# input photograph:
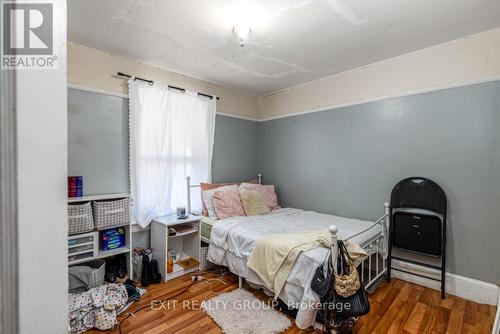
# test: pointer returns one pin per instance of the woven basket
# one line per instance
(97, 276)
(204, 263)
(96, 271)
(108, 214)
(80, 218)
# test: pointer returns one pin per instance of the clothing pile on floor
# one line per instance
(99, 306)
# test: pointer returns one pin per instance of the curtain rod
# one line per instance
(121, 74)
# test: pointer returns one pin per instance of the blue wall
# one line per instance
(236, 149)
(98, 141)
(345, 161)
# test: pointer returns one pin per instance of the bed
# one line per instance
(231, 241)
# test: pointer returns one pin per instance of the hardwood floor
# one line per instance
(398, 307)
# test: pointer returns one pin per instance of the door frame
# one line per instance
(9, 255)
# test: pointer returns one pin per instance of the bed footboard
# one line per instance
(374, 268)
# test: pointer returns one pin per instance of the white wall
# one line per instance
(463, 61)
(42, 175)
(97, 69)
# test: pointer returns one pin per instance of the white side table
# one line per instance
(186, 242)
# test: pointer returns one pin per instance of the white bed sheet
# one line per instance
(233, 239)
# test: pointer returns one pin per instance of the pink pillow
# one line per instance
(227, 203)
(267, 192)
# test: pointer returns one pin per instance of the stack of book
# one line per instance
(75, 186)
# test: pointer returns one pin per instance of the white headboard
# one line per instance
(190, 186)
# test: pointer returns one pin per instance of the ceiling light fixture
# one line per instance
(242, 30)
(242, 17)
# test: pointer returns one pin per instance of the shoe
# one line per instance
(146, 271)
(110, 271)
(121, 268)
(155, 273)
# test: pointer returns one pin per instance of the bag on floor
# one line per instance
(353, 306)
(137, 264)
(336, 324)
(349, 295)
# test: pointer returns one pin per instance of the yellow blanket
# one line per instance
(274, 256)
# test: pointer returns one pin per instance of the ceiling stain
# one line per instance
(341, 8)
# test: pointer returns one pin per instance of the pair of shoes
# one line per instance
(150, 273)
(116, 268)
(110, 271)
(122, 266)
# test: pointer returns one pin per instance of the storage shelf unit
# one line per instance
(97, 253)
(187, 242)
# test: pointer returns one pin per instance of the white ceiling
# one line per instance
(291, 42)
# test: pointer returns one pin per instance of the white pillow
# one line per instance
(207, 198)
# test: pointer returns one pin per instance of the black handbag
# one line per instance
(321, 283)
(355, 305)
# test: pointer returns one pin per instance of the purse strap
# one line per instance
(343, 258)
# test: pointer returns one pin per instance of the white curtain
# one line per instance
(171, 137)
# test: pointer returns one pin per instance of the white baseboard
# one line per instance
(456, 285)
(496, 326)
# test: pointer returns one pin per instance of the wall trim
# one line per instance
(240, 117)
(496, 325)
(96, 90)
(108, 92)
(332, 107)
(386, 97)
(456, 285)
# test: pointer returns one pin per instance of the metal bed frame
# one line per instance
(372, 269)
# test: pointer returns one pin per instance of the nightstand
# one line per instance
(186, 242)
